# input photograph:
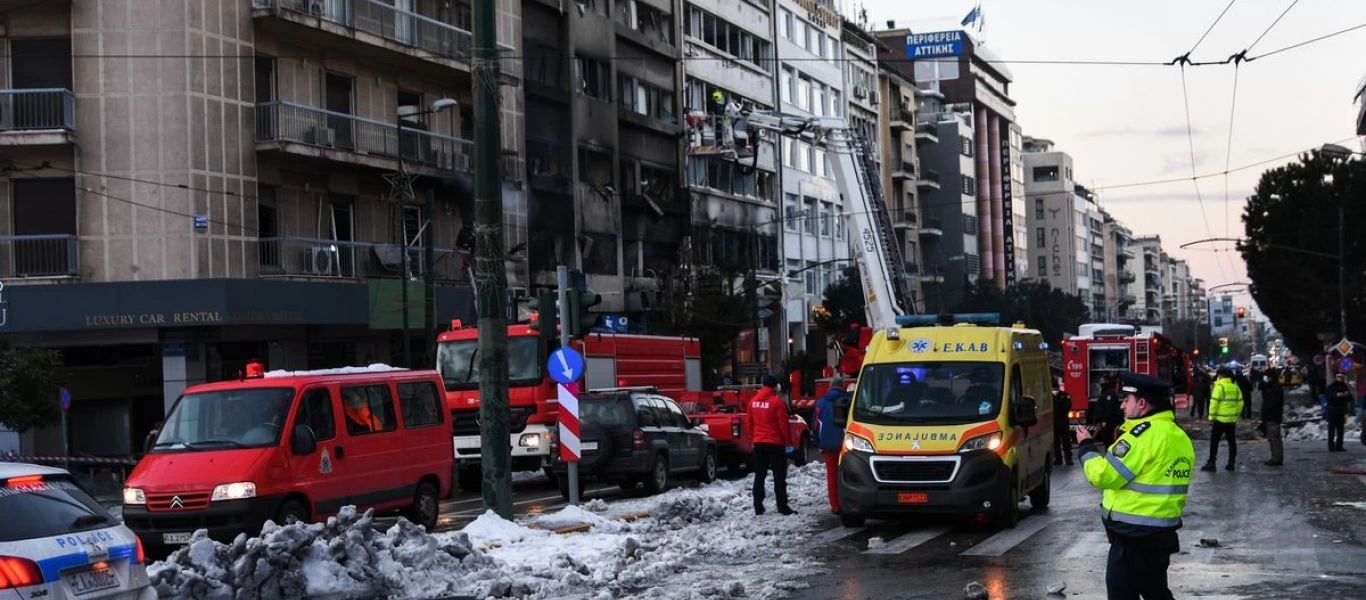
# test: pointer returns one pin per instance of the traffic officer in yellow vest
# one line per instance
(1225, 406)
(1145, 476)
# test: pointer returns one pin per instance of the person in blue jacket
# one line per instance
(830, 414)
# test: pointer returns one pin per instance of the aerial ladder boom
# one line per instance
(875, 248)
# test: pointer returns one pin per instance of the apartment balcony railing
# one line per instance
(307, 257)
(927, 132)
(289, 122)
(932, 226)
(385, 20)
(37, 109)
(38, 256)
(929, 176)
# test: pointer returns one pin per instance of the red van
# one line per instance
(293, 447)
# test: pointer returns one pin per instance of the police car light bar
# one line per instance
(948, 319)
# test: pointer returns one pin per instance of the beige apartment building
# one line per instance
(189, 184)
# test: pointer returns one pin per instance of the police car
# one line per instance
(57, 542)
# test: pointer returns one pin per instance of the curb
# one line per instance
(585, 527)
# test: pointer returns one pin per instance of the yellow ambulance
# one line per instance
(951, 415)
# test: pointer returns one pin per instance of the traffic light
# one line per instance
(1242, 312)
(1196, 352)
(1223, 342)
(547, 319)
(1223, 350)
(578, 320)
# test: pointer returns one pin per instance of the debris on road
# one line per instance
(1209, 543)
(876, 542)
(1057, 588)
(975, 591)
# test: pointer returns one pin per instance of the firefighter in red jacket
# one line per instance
(769, 432)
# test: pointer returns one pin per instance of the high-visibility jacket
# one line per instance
(1225, 401)
(1145, 474)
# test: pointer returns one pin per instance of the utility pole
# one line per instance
(429, 276)
(1342, 268)
(490, 266)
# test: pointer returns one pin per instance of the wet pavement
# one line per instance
(1283, 532)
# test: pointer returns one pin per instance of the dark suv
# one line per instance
(632, 436)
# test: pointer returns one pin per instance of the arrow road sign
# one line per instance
(65, 399)
(565, 365)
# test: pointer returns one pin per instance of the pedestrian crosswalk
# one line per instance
(907, 541)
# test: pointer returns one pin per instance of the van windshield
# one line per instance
(458, 362)
(247, 418)
(929, 392)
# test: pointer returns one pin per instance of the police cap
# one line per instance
(1156, 391)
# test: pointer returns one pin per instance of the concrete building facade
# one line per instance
(900, 119)
(169, 218)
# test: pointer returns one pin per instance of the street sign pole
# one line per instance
(570, 409)
(65, 401)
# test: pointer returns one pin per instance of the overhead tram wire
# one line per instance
(1272, 25)
(1190, 144)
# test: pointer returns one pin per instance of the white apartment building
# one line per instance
(811, 82)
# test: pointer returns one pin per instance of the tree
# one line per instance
(1291, 223)
(1034, 302)
(28, 387)
(843, 304)
(707, 305)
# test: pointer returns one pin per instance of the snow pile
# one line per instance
(342, 558)
(702, 542)
(1318, 431)
(375, 368)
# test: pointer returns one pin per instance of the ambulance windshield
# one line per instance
(930, 392)
(458, 362)
(227, 419)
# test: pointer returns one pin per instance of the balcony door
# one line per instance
(45, 224)
(37, 64)
(339, 90)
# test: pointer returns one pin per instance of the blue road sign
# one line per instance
(565, 365)
(66, 399)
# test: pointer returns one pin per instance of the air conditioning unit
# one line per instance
(908, 217)
(860, 92)
(872, 98)
(322, 136)
(322, 260)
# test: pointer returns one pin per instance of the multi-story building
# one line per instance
(1148, 309)
(168, 218)
(811, 72)
(736, 225)
(1221, 315)
(947, 181)
(602, 145)
(1119, 271)
(1095, 251)
(1176, 299)
(1050, 192)
(900, 180)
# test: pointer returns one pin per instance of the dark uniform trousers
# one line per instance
(1137, 567)
(769, 457)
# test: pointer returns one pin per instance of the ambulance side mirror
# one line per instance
(303, 441)
(1025, 412)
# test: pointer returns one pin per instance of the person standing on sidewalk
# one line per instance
(1340, 400)
(831, 411)
(1062, 427)
(1225, 406)
(1245, 386)
(771, 435)
(1273, 413)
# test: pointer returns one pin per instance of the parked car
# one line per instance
(631, 436)
(292, 447)
(57, 542)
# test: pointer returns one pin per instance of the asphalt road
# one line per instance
(1281, 532)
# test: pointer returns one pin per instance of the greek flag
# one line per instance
(973, 15)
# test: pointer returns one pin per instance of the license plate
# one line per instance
(912, 497)
(176, 538)
(94, 580)
(588, 446)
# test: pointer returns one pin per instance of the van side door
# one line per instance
(374, 451)
(424, 423)
(319, 476)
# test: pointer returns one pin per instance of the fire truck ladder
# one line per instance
(867, 171)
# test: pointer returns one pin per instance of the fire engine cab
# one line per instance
(1105, 349)
(670, 364)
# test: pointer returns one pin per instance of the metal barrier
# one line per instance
(38, 255)
(37, 109)
(289, 122)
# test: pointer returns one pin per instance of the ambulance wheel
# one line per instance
(1009, 516)
(852, 521)
(426, 506)
(292, 511)
(1038, 499)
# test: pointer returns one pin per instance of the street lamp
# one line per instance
(1340, 155)
(403, 184)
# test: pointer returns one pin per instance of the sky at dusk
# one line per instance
(1125, 124)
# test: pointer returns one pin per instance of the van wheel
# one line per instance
(470, 479)
(1041, 495)
(291, 512)
(707, 473)
(1009, 516)
(852, 521)
(658, 479)
(426, 506)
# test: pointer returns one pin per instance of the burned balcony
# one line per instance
(339, 259)
(298, 129)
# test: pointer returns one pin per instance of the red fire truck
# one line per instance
(670, 364)
(1102, 349)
